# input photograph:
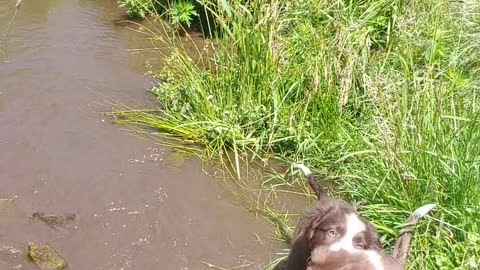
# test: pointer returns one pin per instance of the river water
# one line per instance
(61, 63)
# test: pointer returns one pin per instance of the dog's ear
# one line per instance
(315, 223)
(299, 254)
(311, 219)
(316, 216)
(378, 245)
(373, 240)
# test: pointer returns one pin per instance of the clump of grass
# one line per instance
(140, 8)
(180, 13)
(382, 95)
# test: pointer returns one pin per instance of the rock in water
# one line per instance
(176, 159)
(54, 221)
(46, 258)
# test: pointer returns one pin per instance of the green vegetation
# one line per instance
(139, 8)
(381, 96)
(182, 13)
(179, 12)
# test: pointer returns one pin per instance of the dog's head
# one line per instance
(335, 224)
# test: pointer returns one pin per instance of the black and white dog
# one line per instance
(332, 258)
(333, 236)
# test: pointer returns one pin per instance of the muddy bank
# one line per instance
(134, 207)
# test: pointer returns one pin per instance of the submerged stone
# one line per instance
(176, 159)
(54, 220)
(46, 258)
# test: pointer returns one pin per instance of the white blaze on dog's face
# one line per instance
(354, 225)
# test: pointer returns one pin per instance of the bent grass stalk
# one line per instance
(4, 38)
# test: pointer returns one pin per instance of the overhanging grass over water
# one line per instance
(382, 95)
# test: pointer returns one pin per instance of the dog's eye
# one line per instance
(332, 233)
(359, 245)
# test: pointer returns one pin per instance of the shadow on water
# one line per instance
(133, 208)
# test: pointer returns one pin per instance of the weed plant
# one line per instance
(178, 12)
(140, 8)
(380, 95)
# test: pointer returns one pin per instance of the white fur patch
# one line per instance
(304, 169)
(374, 258)
(353, 226)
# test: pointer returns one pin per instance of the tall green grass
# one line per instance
(381, 96)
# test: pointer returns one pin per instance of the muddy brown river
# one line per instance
(62, 62)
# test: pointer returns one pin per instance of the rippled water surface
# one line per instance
(61, 62)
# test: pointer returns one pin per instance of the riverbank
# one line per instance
(381, 96)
